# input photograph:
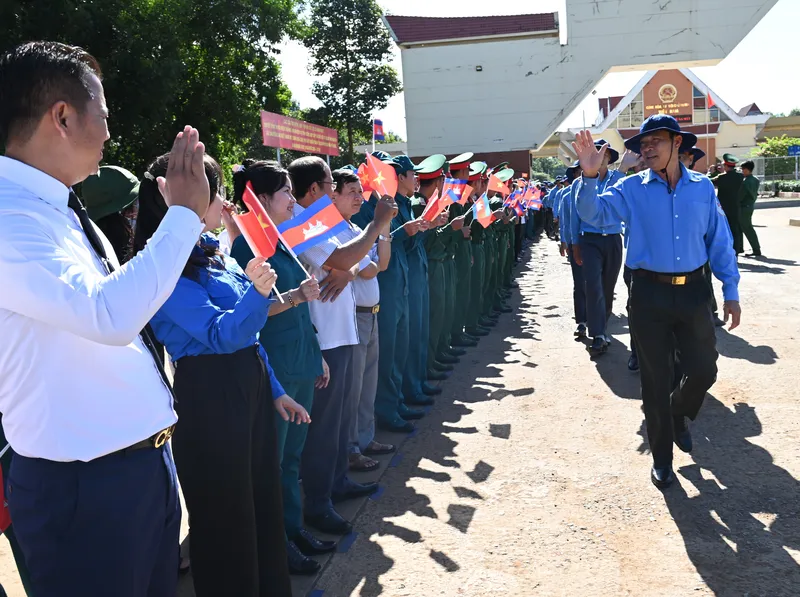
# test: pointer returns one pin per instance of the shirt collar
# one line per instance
(686, 175)
(36, 182)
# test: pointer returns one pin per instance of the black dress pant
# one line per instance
(664, 317)
(226, 454)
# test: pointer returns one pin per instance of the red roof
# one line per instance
(432, 29)
(695, 129)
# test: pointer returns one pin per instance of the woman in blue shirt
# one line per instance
(225, 442)
(291, 343)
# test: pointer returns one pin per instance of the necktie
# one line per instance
(94, 239)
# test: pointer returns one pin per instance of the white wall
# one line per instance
(527, 87)
(742, 136)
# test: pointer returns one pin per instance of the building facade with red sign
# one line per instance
(680, 93)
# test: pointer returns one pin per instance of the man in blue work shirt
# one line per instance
(675, 225)
(569, 246)
(598, 250)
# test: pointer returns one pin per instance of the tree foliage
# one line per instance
(551, 167)
(775, 147)
(350, 49)
(166, 63)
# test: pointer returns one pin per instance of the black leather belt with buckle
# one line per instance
(671, 279)
(373, 310)
(154, 441)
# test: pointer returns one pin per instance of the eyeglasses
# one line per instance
(324, 182)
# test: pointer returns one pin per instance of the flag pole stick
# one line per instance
(373, 133)
(708, 139)
(4, 450)
(278, 295)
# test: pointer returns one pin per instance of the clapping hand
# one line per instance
(590, 157)
(186, 184)
(261, 275)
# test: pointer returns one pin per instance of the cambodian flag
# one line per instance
(377, 130)
(482, 211)
(454, 189)
(315, 225)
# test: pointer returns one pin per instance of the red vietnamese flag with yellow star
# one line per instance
(498, 186)
(366, 187)
(381, 176)
(257, 227)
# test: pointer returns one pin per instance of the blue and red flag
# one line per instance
(377, 130)
(453, 189)
(315, 225)
(482, 211)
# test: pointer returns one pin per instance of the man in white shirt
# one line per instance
(335, 263)
(92, 488)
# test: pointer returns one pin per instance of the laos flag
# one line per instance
(313, 226)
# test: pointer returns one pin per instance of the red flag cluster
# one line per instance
(257, 227)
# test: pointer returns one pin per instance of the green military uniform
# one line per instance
(729, 186)
(462, 261)
(747, 203)
(478, 272)
(294, 354)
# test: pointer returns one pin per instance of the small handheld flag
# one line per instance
(498, 186)
(434, 207)
(454, 189)
(315, 225)
(465, 195)
(482, 211)
(256, 226)
(382, 177)
(366, 187)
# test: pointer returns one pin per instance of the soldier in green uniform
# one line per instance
(478, 179)
(729, 185)
(747, 203)
(460, 170)
(430, 173)
(393, 315)
(418, 304)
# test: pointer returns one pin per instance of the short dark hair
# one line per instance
(343, 176)
(749, 165)
(34, 76)
(267, 177)
(304, 172)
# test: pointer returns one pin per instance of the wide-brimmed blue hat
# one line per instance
(697, 153)
(613, 153)
(659, 122)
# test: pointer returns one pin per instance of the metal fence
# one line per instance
(787, 168)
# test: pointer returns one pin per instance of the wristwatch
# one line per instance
(384, 238)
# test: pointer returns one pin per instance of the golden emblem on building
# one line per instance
(668, 93)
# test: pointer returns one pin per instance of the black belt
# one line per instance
(672, 279)
(372, 310)
(600, 233)
(154, 441)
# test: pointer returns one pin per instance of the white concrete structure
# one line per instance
(495, 89)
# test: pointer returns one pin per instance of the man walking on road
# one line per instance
(729, 185)
(747, 203)
(675, 226)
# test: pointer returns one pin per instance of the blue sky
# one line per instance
(761, 69)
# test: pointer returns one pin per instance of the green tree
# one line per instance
(776, 150)
(552, 167)
(208, 63)
(795, 112)
(350, 49)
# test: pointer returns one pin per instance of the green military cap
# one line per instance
(505, 174)
(431, 167)
(109, 191)
(461, 162)
(730, 159)
(402, 164)
(382, 156)
(477, 170)
(500, 166)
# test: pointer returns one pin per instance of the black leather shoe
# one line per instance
(486, 322)
(599, 346)
(309, 545)
(420, 399)
(442, 367)
(397, 426)
(478, 332)
(330, 522)
(357, 490)
(513, 285)
(718, 322)
(463, 342)
(633, 363)
(410, 414)
(456, 352)
(299, 563)
(580, 331)
(468, 337)
(430, 390)
(434, 375)
(447, 359)
(505, 309)
(662, 477)
(681, 434)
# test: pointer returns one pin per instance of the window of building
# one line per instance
(632, 115)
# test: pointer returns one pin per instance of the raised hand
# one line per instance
(261, 275)
(590, 157)
(385, 210)
(629, 160)
(186, 184)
